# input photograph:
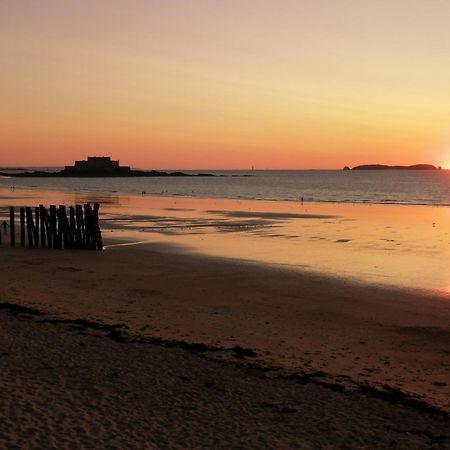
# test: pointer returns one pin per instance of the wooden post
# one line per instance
(34, 235)
(78, 233)
(96, 229)
(22, 227)
(60, 227)
(48, 228)
(53, 227)
(36, 225)
(42, 227)
(72, 227)
(88, 225)
(83, 226)
(29, 226)
(12, 230)
(64, 226)
(67, 243)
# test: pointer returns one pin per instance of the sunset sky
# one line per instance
(225, 84)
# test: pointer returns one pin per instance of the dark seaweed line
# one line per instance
(114, 332)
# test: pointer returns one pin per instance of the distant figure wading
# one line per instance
(5, 226)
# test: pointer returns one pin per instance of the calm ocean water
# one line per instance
(399, 187)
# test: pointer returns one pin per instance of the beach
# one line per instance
(302, 317)
(224, 225)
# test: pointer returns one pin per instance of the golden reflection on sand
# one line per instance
(405, 246)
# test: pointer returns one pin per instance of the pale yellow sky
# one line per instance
(211, 84)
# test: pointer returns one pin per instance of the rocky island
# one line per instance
(386, 167)
(102, 166)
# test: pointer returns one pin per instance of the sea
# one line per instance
(336, 186)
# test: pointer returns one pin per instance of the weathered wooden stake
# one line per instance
(88, 228)
(72, 227)
(60, 227)
(22, 227)
(11, 226)
(34, 235)
(78, 233)
(42, 227)
(96, 229)
(53, 227)
(64, 224)
(48, 229)
(36, 226)
(83, 226)
(29, 226)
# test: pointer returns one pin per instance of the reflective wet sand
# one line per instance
(394, 245)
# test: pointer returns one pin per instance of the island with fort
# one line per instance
(102, 166)
(386, 167)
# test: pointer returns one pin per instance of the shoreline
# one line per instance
(201, 197)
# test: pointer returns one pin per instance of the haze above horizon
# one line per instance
(201, 84)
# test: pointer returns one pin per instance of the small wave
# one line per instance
(322, 187)
(380, 202)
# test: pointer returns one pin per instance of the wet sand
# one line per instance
(300, 322)
(350, 335)
(393, 245)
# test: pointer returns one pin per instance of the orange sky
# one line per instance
(225, 84)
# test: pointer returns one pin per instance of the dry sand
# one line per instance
(70, 386)
(60, 387)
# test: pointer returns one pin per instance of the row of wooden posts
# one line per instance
(53, 228)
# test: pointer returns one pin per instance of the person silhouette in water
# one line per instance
(5, 226)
